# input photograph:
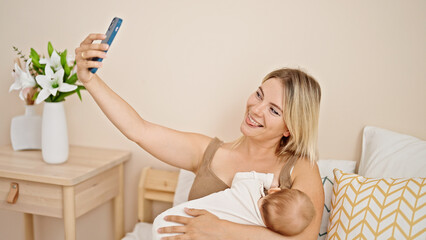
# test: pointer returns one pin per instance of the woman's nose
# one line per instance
(257, 109)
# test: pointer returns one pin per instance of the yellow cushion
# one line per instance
(369, 208)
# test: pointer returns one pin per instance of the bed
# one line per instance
(386, 197)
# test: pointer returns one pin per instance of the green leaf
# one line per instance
(35, 96)
(72, 79)
(36, 62)
(61, 96)
(49, 99)
(67, 71)
(79, 88)
(50, 49)
(34, 55)
(65, 64)
(39, 68)
(79, 94)
(64, 58)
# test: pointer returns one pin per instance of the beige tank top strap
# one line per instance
(285, 174)
(206, 182)
(211, 149)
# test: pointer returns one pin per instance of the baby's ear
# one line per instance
(274, 190)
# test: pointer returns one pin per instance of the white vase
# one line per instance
(25, 130)
(54, 133)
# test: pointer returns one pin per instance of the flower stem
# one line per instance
(19, 52)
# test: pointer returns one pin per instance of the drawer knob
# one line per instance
(13, 193)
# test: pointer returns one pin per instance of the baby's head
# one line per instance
(287, 211)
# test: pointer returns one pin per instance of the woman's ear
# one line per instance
(286, 132)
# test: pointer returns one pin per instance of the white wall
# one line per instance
(191, 65)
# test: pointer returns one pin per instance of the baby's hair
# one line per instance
(288, 211)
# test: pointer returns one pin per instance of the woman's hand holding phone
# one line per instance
(86, 52)
(89, 56)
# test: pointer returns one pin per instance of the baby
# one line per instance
(285, 211)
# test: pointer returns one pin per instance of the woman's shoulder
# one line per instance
(307, 178)
(201, 139)
(200, 142)
(305, 166)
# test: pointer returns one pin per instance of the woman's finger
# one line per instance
(177, 219)
(92, 50)
(172, 229)
(195, 212)
(81, 54)
(177, 237)
(94, 46)
(91, 54)
(89, 64)
(92, 37)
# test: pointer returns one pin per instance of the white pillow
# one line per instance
(142, 231)
(389, 154)
(326, 171)
(185, 180)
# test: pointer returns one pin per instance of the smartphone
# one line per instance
(110, 35)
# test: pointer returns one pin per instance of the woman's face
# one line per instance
(264, 115)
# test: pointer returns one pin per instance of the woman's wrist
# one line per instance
(93, 83)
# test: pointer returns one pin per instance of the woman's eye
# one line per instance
(258, 95)
(273, 111)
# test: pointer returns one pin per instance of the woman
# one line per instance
(279, 137)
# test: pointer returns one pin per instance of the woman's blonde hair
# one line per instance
(301, 102)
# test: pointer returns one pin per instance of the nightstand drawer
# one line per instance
(96, 191)
(35, 198)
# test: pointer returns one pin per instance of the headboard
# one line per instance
(155, 185)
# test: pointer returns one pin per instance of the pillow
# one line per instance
(390, 154)
(141, 231)
(385, 208)
(184, 183)
(326, 171)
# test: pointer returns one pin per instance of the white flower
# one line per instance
(70, 59)
(54, 61)
(51, 83)
(70, 62)
(23, 79)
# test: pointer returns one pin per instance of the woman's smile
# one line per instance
(251, 122)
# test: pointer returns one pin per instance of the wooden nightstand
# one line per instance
(90, 177)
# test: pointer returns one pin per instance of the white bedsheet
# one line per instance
(142, 231)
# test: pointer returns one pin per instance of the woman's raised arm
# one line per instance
(176, 148)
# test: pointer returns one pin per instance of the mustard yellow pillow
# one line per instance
(370, 208)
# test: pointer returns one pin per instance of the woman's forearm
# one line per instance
(118, 111)
(235, 231)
